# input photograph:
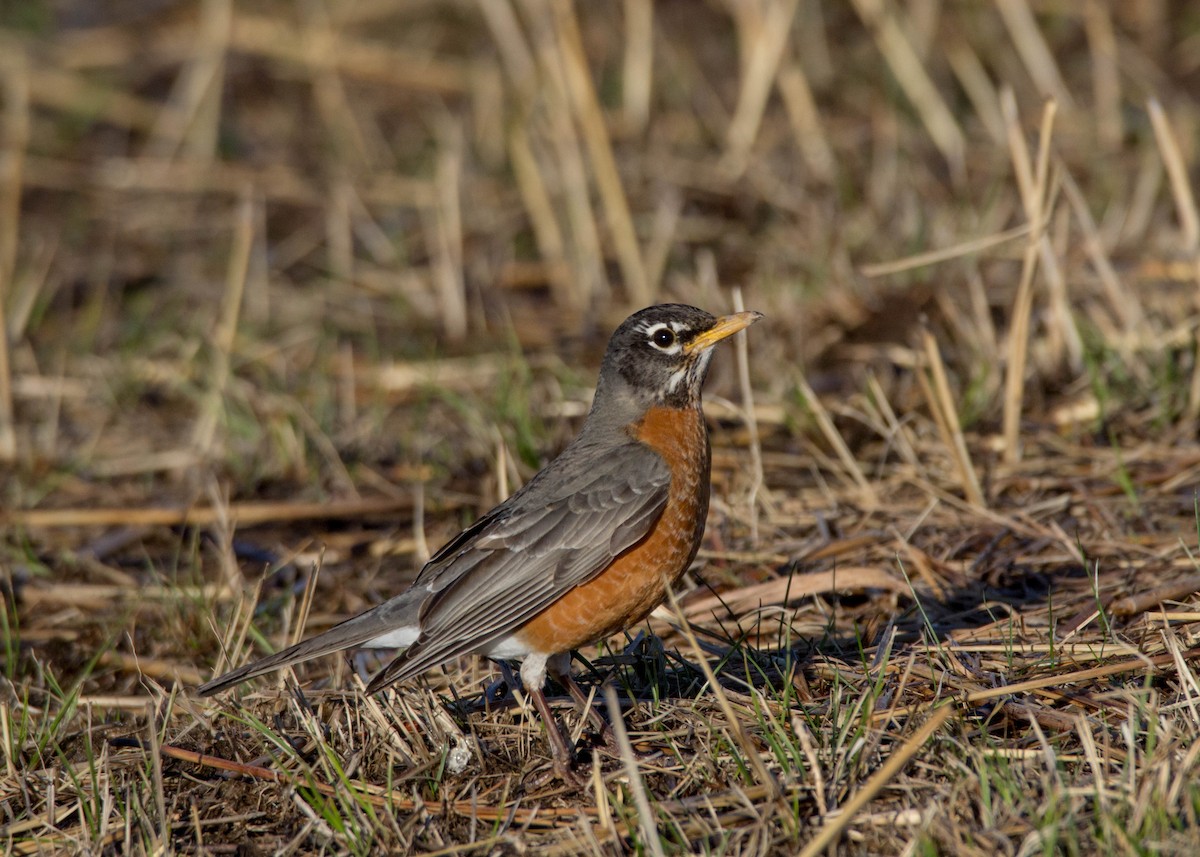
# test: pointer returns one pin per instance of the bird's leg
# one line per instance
(533, 679)
(563, 755)
(559, 668)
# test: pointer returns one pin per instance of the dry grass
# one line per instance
(306, 287)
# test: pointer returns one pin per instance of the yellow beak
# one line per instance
(724, 327)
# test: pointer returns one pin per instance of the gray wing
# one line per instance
(398, 612)
(563, 527)
(561, 530)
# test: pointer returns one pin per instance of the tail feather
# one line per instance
(390, 616)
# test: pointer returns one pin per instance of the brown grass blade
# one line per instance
(805, 116)
(910, 72)
(1034, 193)
(649, 826)
(15, 139)
(785, 590)
(833, 828)
(933, 257)
(1181, 187)
(1106, 76)
(732, 721)
(763, 35)
(586, 109)
(943, 402)
(225, 330)
(637, 72)
(868, 496)
(1031, 45)
(244, 514)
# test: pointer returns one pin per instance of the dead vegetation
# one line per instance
(294, 291)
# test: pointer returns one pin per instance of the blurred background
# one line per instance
(218, 211)
(298, 284)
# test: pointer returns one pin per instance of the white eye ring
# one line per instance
(664, 338)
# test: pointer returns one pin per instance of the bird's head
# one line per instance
(659, 355)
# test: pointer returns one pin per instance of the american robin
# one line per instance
(584, 550)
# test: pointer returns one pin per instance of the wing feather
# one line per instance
(555, 534)
(588, 506)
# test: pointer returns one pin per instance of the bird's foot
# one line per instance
(559, 773)
(562, 753)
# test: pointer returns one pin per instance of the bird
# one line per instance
(585, 549)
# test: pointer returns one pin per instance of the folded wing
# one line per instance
(560, 530)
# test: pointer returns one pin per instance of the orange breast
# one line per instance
(637, 580)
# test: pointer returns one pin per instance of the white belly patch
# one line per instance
(397, 638)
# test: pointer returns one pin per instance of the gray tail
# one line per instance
(393, 614)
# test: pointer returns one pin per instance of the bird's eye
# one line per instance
(664, 337)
